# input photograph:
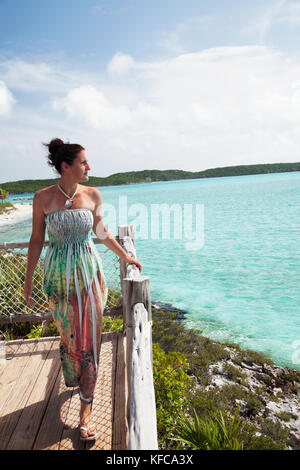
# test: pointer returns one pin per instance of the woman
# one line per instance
(73, 274)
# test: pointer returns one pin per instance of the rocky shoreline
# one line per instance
(267, 395)
(166, 307)
(277, 388)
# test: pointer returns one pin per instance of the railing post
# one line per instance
(141, 410)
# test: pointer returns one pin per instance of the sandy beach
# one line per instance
(14, 215)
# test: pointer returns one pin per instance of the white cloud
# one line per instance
(39, 77)
(6, 100)
(289, 13)
(276, 13)
(120, 64)
(89, 105)
(217, 107)
(174, 40)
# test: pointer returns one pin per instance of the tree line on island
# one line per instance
(150, 176)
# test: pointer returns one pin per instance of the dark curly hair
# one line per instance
(62, 152)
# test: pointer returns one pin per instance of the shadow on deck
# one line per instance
(37, 410)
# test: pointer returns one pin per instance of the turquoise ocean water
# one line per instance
(243, 284)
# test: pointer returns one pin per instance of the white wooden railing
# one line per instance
(137, 318)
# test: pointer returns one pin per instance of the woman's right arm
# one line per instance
(35, 245)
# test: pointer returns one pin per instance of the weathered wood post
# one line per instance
(141, 410)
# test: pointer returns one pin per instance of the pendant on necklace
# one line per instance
(69, 203)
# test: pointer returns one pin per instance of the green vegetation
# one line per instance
(233, 373)
(170, 383)
(242, 408)
(284, 416)
(4, 206)
(209, 433)
(148, 176)
(3, 194)
(112, 324)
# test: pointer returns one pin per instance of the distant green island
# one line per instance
(150, 176)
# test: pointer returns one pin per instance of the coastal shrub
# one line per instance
(254, 439)
(267, 379)
(253, 357)
(273, 397)
(275, 430)
(50, 329)
(112, 324)
(291, 376)
(254, 404)
(284, 416)
(262, 443)
(207, 352)
(292, 379)
(229, 393)
(3, 194)
(36, 331)
(41, 331)
(237, 361)
(170, 384)
(208, 401)
(168, 332)
(209, 433)
(4, 206)
(233, 373)
(205, 402)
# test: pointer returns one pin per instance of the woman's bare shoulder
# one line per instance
(47, 190)
(92, 191)
(44, 195)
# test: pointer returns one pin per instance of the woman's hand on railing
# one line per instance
(131, 260)
(28, 287)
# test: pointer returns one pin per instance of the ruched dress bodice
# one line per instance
(70, 226)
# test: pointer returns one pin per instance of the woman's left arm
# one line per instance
(104, 234)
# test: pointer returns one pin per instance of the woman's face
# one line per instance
(79, 168)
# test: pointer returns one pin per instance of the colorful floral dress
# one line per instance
(75, 284)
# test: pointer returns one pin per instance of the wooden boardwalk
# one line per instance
(37, 410)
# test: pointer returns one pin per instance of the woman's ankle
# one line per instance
(85, 411)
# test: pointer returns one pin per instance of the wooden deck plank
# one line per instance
(54, 419)
(12, 372)
(42, 413)
(28, 425)
(8, 350)
(27, 364)
(103, 403)
(120, 424)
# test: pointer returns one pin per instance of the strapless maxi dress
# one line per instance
(74, 281)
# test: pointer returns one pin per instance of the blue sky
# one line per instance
(161, 84)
